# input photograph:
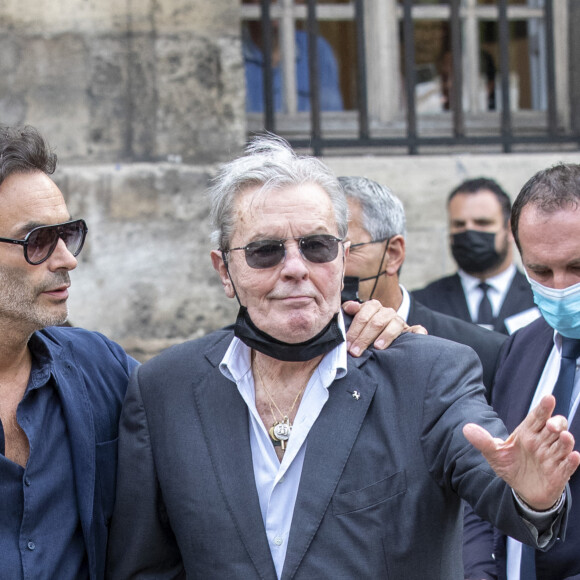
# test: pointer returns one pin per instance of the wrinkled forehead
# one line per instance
(305, 205)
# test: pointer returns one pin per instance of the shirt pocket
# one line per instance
(370, 495)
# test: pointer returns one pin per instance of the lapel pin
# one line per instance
(355, 395)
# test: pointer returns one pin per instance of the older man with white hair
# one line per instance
(268, 452)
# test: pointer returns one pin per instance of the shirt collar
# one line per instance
(558, 342)
(42, 362)
(237, 361)
(405, 307)
(500, 282)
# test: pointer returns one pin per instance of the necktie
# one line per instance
(563, 393)
(485, 314)
(565, 383)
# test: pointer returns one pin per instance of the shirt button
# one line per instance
(31, 545)
(278, 541)
(26, 481)
(281, 480)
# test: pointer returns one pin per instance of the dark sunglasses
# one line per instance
(317, 248)
(40, 242)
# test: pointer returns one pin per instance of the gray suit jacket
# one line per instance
(381, 483)
(486, 343)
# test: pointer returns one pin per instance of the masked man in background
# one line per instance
(487, 289)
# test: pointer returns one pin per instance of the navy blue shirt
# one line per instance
(40, 531)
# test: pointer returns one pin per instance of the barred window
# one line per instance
(390, 72)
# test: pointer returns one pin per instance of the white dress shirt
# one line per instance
(405, 307)
(545, 387)
(277, 481)
(498, 289)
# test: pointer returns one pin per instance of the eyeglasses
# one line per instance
(354, 246)
(317, 248)
(40, 242)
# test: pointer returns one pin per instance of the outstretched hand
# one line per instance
(374, 324)
(536, 460)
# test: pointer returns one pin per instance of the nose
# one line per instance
(61, 258)
(562, 280)
(294, 264)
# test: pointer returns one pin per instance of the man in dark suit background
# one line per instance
(487, 289)
(376, 230)
(546, 227)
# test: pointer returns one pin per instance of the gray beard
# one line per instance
(19, 300)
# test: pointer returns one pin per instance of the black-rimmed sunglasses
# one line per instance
(41, 242)
(317, 248)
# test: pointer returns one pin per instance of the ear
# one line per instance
(219, 266)
(396, 255)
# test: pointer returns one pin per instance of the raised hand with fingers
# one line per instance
(536, 460)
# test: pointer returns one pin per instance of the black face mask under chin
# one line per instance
(328, 338)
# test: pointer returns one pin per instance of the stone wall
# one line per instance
(142, 99)
(136, 80)
(145, 276)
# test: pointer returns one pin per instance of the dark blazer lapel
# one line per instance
(519, 297)
(419, 314)
(574, 428)
(329, 444)
(455, 296)
(225, 423)
(79, 421)
(520, 382)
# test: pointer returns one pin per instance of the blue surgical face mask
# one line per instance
(560, 308)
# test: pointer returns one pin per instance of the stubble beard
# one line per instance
(20, 302)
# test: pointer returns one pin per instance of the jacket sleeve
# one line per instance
(478, 561)
(141, 542)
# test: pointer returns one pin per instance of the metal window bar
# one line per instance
(410, 76)
(314, 78)
(361, 60)
(457, 87)
(413, 140)
(550, 71)
(504, 67)
(268, 75)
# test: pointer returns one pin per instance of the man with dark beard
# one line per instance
(488, 289)
(61, 389)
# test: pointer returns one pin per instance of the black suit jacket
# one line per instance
(446, 295)
(520, 368)
(486, 343)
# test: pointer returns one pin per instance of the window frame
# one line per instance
(388, 109)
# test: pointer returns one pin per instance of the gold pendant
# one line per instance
(282, 430)
(273, 434)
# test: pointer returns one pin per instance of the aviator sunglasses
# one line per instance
(40, 242)
(317, 248)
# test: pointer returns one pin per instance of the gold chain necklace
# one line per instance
(280, 430)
